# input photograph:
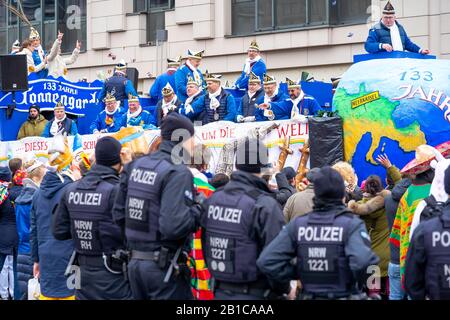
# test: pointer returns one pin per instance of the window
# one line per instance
(46, 16)
(349, 11)
(71, 20)
(155, 10)
(250, 16)
(243, 12)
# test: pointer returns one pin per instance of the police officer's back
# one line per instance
(331, 245)
(239, 221)
(427, 273)
(85, 215)
(157, 211)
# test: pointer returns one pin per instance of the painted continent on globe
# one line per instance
(392, 106)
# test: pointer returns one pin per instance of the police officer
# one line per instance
(240, 220)
(331, 245)
(427, 270)
(84, 215)
(157, 211)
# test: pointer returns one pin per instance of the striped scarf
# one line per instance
(4, 192)
(200, 276)
(402, 224)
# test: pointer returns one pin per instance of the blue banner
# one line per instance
(76, 97)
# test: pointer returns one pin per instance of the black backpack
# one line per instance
(433, 209)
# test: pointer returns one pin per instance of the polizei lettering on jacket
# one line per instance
(85, 198)
(224, 214)
(441, 238)
(322, 234)
(143, 176)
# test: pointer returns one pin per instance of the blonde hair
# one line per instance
(36, 172)
(347, 173)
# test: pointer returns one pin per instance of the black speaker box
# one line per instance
(133, 75)
(326, 141)
(13, 72)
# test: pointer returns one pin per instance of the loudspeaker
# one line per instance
(133, 75)
(13, 72)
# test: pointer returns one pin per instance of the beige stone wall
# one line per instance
(206, 24)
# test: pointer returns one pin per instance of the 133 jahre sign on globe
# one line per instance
(392, 106)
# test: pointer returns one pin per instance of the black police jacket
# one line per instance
(178, 217)
(61, 225)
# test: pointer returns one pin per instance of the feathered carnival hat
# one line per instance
(191, 80)
(195, 54)
(121, 66)
(174, 62)
(389, 8)
(253, 46)
(132, 98)
(212, 77)
(292, 84)
(34, 35)
(167, 90)
(253, 78)
(269, 79)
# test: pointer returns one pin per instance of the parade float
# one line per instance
(390, 104)
(387, 104)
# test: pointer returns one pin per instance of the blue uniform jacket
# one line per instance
(181, 78)
(248, 107)
(380, 34)
(259, 69)
(160, 82)
(37, 61)
(197, 106)
(259, 113)
(100, 124)
(307, 107)
(144, 120)
(200, 108)
(73, 129)
(129, 89)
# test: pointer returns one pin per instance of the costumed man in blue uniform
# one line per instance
(190, 68)
(60, 124)
(331, 246)
(110, 119)
(254, 63)
(272, 97)
(388, 35)
(427, 270)
(217, 104)
(38, 54)
(119, 83)
(136, 116)
(168, 77)
(193, 102)
(249, 102)
(169, 103)
(299, 105)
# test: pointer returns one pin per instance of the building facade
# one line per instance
(318, 36)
